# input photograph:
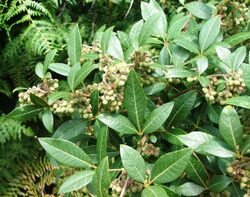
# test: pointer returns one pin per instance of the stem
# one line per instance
(116, 170)
(123, 192)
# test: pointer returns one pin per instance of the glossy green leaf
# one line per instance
(189, 189)
(230, 127)
(179, 56)
(223, 53)
(74, 45)
(72, 76)
(102, 141)
(237, 58)
(209, 32)
(197, 171)
(179, 73)
(135, 32)
(48, 59)
(245, 149)
(187, 42)
(199, 9)
(38, 101)
(219, 182)
(48, 120)
(154, 191)
(176, 26)
(135, 100)
(56, 96)
(182, 106)
(106, 39)
(237, 38)
(77, 181)
(157, 117)
(204, 81)
(101, 180)
(240, 101)
(94, 101)
(148, 28)
(60, 68)
(202, 64)
(71, 129)
(213, 112)
(86, 69)
(133, 163)
(170, 166)
(154, 88)
(39, 70)
(25, 112)
(115, 48)
(118, 122)
(65, 152)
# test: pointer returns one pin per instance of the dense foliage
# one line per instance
(155, 105)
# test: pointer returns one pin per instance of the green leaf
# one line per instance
(179, 56)
(71, 129)
(202, 64)
(199, 9)
(230, 127)
(245, 149)
(189, 189)
(38, 101)
(135, 100)
(154, 88)
(115, 48)
(59, 68)
(133, 163)
(148, 28)
(186, 41)
(71, 79)
(176, 26)
(240, 101)
(197, 171)
(86, 69)
(154, 191)
(25, 112)
(118, 122)
(101, 180)
(76, 181)
(216, 148)
(48, 59)
(74, 45)
(204, 81)
(39, 70)
(94, 101)
(237, 38)
(213, 112)
(65, 152)
(157, 117)
(48, 120)
(237, 57)
(219, 182)
(170, 166)
(182, 106)
(134, 33)
(223, 53)
(179, 73)
(209, 32)
(56, 96)
(102, 140)
(106, 39)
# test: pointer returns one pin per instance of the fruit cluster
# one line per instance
(78, 102)
(124, 182)
(143, 65)
(149, 149)
(41, 90)
(112, 85)
(220, 90)
(234, 15)
(240, 171)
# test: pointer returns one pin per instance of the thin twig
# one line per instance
(123, 192)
